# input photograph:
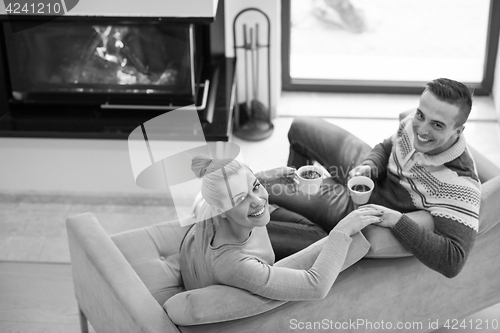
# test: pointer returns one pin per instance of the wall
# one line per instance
(496, 85)
(272, 8)
(65, 165)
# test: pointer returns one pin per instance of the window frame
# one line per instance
(379, 86)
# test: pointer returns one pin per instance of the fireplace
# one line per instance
(91, 77)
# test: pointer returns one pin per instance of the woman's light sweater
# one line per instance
(250, 265)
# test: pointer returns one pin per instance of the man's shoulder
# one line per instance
(463, 166)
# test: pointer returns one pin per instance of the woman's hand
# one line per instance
(280, 175)
(390, 217)
(358, 219)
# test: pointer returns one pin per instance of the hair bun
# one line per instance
(199, 165)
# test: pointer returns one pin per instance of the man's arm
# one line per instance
(439, 243)
(280, 175)
(444, 250)
(455, 215)
(378, 158)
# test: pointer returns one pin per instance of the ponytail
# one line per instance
(213, 173)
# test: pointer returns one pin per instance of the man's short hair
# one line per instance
(455, 93)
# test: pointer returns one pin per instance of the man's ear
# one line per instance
(459, 130)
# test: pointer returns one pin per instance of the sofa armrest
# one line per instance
(489, 213)
(486, 169)
(107, 289)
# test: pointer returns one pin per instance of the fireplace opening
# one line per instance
(85, 58)
(102, 78)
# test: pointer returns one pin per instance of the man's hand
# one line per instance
(280, 175)
(360, 170)
(389, 216)
(358, 219)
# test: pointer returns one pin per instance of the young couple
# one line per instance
(422, 173)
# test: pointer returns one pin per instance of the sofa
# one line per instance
(123, 283)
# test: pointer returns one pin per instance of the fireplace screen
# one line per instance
(107, 60)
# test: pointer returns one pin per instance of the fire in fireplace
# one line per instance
(99, 61)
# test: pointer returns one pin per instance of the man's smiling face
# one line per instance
(434, 125)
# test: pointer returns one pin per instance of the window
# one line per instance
(388, 45)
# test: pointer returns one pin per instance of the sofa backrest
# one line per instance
(108, 290)
(486, 169)
(153, 252)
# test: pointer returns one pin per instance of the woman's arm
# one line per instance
(288, 284)
(282, 283)
(304, 259)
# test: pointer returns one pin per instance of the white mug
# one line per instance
(360, 197)
(306, 185)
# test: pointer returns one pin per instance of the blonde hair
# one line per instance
(205, 168)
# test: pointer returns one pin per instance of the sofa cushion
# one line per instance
(215, 303)
(153, 252)
(221, 303)
(383, 243)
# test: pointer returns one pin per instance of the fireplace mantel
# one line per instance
(144, 8)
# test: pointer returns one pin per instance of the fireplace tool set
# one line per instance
(253, 118)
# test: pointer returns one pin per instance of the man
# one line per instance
(424, 171)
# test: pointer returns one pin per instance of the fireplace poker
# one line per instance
(259, 110)
(245, 50)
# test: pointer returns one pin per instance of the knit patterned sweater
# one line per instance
(446, 185)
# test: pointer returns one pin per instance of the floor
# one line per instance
(35, 275)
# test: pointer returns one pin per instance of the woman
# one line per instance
(233, 247)
(288, 231)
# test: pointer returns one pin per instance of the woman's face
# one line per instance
(250, 207)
